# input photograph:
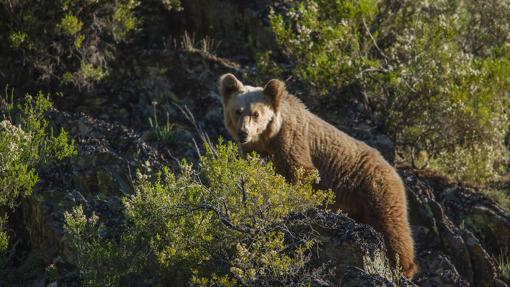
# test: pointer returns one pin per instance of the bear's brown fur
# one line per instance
(276, 124)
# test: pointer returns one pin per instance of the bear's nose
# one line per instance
(243, 136)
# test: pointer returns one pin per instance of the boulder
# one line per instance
(449, 251)
(354, 253)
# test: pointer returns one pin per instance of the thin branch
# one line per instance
(243, 190)
(374, 41)
(204, 137)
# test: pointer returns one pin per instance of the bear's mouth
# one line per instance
(243, 137)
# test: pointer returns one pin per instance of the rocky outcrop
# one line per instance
(356, 277)
(451, 252)
(355, 253)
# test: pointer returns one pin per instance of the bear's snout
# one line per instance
(243, 136)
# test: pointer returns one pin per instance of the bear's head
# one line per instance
(251, 114)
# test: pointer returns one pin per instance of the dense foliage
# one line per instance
(26, 143)
(66, 42)
(222, 224)
(435, 73)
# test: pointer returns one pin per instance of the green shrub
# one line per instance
(70, 25)
(162, 132)
(26, 144)
(223, 224)
(434, 84)
(4, 244)
(65, 41)
(323, 38)
(266, 68)
(17, 176)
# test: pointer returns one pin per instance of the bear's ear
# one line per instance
(229, 84)
(275, 90)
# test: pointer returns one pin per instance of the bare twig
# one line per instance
(243, 190)
(374, 41)
(201, 133)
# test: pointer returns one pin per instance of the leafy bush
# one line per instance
(17, 175)
(66, 41)
(436, 73)
(4, 244)
(221, 225)
(24, 148)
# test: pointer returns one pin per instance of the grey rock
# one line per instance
(451, 252)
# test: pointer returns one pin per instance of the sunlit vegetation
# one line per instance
(26, 144)
(436, 73)
(222, 224)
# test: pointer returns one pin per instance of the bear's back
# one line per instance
(338, 157)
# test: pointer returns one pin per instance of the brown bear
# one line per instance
(278, 125)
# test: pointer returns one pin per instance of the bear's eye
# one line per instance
(239, 112)
(255, 115)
